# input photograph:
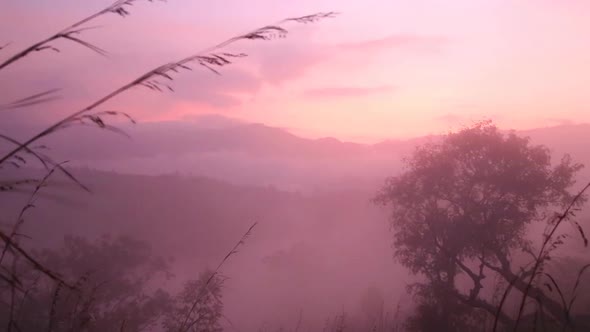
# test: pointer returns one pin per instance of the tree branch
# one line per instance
(483, 304)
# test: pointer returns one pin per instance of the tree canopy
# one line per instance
(462, 207)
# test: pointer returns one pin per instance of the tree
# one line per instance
(208, 309)
(461, 209)
(114, 291)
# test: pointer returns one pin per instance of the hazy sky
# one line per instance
(382, 68)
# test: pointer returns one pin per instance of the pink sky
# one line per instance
(381, 69)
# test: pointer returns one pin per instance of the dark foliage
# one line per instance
(462, 209)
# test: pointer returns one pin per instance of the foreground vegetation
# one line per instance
(465, 207)
(461, 215)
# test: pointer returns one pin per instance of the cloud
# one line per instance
(283, 61)
(397, 41)
(216, 100)
(561, 121)
(218, 91)
(268, 63)
(340, 92)
(450, 118)
(455, 119)
(287, 59)
(199, 86)
(232, 80)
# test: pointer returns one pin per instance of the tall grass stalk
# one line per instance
(186, 324)
(540, 259)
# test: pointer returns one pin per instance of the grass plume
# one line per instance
(72, 32)
(160, 77)
(186, 325)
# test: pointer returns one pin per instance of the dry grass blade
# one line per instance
(46, 161)
(14, 184)
(53, 310)
(541, 256)
(42, 97)
(561, 296)
(97, 120)
(30, 204)
(208, 58)
(118, 7)
(11, 279)
(86, 44)
(10, 243)
(27, 150)
(4, 46)
(312, 18)
(575, 288)
(117, 113)
(581, 231)
(186, 325)
(38, 266)
(503, 301)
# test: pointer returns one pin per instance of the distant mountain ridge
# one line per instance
(251, 153)
(215, 133)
